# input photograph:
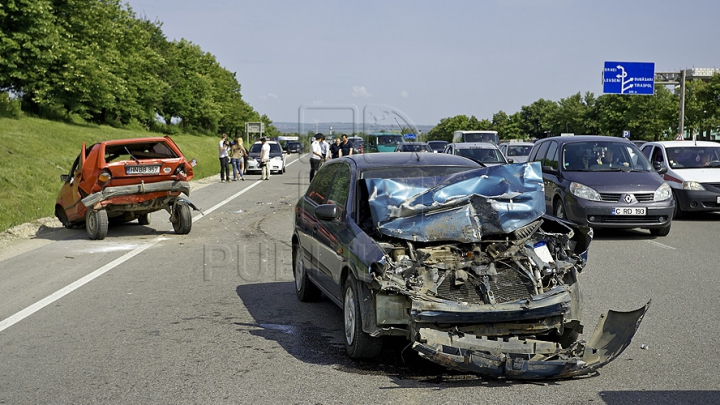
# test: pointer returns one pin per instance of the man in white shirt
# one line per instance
(318, 155)
(265, 159)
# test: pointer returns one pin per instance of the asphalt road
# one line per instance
(147, 316)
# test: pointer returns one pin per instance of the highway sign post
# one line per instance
(629, 78)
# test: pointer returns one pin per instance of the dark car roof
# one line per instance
(371, 160)
(582, 138)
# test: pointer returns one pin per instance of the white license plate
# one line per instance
(717, 201)
(629, 211)
(142, 169)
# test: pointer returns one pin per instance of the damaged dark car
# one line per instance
(459, 259)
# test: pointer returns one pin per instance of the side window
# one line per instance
(318, 190)
(540, 155)
(646, 151)
(340, 187)
(551, 158)
(657, 156)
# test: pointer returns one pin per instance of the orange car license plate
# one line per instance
(142, 169)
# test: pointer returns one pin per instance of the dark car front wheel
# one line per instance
(660, 231)
(559, 209)
(144, 219)
(358, 344)
(304, 288)
(96, 224)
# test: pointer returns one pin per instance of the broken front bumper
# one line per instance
(531, 359)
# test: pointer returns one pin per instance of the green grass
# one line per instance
(35, 152)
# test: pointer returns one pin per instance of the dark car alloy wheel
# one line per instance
(359, 345)
(304, 288)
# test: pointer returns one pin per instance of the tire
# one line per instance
(677, 212)
(144, 219)
(62, 217)
(96, 224)
(183, 219)
(283, 170)
(358, 344)
(304, 288)
(660, 231)
(559, 209)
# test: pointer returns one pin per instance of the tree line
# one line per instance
(653, 117)
(98, 61)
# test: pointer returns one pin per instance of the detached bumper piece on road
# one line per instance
(530, 359)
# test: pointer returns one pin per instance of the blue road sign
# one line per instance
(626, 134)
(629, 78)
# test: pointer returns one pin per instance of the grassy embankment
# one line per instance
(35, 152)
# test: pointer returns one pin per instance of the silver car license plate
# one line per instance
(629, 211)
(142, 169)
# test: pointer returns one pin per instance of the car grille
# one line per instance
(644, 197)
(506, 286)
(621, 219)
(716, 185)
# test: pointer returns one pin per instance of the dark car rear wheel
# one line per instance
(96, 224)
(358, 344)
(183, 219)
(144, 219)
(559, 209)
(304, 288)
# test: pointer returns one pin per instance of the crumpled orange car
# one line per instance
(122, 180)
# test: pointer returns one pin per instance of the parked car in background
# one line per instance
(603, 182)
(413, 147)
(277, 158)
(358, 144)
(123, 180)
(693, 172)
(294, 147)
(476, 136)
(437, 146)
(485, 153)
(456, 258)
(517, 151)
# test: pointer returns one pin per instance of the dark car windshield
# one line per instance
(274, 148)
(597, 156)
(518, 150)
(693, 157)
(145, 150)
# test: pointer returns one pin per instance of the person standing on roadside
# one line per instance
(346, 147)
(316, 157)
(223, 155)
(265, 159)
(237, 154)
(335, 149)
(325, 147)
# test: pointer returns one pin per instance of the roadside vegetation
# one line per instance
(35, 152)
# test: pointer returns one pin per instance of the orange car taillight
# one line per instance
(104, 177)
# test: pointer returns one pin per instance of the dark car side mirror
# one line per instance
(660, 168)
(327, 212)
(549, 169)
(511, 160)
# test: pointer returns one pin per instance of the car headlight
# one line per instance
(277, 158)
(693, 185)
(662, 193)
(584, 192)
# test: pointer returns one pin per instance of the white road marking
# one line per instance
(19, 316)
(662, 245)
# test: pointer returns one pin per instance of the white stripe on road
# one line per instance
(662, 245)
(19, 316)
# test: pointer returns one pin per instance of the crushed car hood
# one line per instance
(531, 359)
(462, 207)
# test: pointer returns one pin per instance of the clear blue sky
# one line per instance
(427, 60)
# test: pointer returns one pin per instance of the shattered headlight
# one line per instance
(662, 193)
(277, 158)
(693, 185)
(582, 191)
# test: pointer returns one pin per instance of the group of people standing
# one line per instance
(232, 154)
(322, 151)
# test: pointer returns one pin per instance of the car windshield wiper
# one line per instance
(131, 155)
